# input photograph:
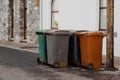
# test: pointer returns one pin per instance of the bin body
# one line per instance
(74, 50)
(57, 48)
(91, 49)
(42, 46)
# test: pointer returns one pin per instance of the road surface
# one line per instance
(21, 65)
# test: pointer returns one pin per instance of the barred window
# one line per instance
(103, 15)
(54, 14)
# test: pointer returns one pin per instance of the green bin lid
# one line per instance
(42, 32)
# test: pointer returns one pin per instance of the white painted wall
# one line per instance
(73, 14)
(104, 46)
(45, 14)
(117, 28)
(78, 14)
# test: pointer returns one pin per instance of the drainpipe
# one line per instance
(110, 35)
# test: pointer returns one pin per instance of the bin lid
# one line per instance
(97, 33)
(60, 32)
(82, 31)
(42, 32)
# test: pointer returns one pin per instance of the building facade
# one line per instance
(82, 15)
(19, 19)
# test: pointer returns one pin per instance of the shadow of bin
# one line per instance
(91, 49)
(57, 48)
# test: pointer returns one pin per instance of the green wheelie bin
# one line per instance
(42, 57)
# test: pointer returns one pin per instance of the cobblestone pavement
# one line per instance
(18, 64)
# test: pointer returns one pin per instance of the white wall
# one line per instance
(45, 14)
(84, 14)
(78, 14)
(104, 46)
(117, 28)
(73, 14)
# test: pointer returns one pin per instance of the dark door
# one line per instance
(25, 25)
(11, 20)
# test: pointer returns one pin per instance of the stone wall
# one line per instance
(16, 20)
(3, 20)
(32, 20)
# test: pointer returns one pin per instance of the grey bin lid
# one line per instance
(65, 32)
(60, 33)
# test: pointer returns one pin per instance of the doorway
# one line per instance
(54, 14)
(11, 20)
(25, 19)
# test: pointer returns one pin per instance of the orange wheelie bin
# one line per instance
(91, 49)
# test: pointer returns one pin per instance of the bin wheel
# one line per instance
(56, 64)
(38, 60)
(90, 66)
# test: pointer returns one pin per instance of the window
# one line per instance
(54, 14)
(103, 15)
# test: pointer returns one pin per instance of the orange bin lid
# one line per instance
(97, 33)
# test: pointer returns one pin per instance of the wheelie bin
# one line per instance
(91, 49)
(74, 55)
(57, 48)
(42, 58)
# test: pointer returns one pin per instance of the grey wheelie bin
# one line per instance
(74, 55)
(42, 58)
(57, 48)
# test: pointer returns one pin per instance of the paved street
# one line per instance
(21, 65)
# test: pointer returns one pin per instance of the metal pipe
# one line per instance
(110, 35)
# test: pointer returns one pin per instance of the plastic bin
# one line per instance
(42, 58)
(74, 49)
(91, 49)
(57, 48)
